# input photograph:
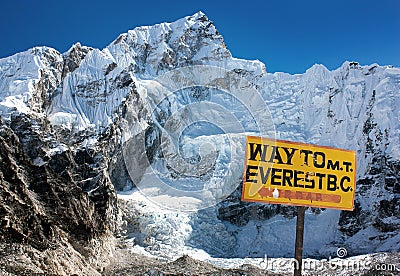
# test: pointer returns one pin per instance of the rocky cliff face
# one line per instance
(66, 119)
(58, 205)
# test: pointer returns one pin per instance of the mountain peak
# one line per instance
(190, 40)
(199, 16)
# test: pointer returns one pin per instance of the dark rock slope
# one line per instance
(57, 204)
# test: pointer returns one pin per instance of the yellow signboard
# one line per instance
(283, 172)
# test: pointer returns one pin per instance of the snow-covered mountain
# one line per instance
(166, 108)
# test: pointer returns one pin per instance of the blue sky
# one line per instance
(288, 36)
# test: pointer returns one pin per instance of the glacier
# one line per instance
(181, 105)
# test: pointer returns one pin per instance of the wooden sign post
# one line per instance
(298, 249)
(291, 173)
